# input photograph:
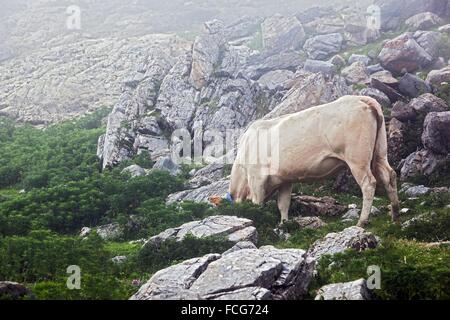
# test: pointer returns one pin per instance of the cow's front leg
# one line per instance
(284, 201)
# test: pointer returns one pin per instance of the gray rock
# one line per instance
(318, 66)
(275, 80)
(206, 53)
(430, 41)
(119, 259)
(173, 283)
(282, 33)
(260, 64)
(374, 68)
(351, 215)
(386, 78)
(207, 175)
(445, 28)
(395, 12)
(355, 238)
(241, 245)
(422, 163)
(12, 290)
(250, 274)
(338, 61)
(309, 222)
(202, 194)
(233, 228)
(412, 86)
(85, 231)
(355, 290)
(417, 191)
(437, 77)
(325, 206)
(404, 54)
(309, 90)
(356, 73)
(397, 149)
(427, 103)
(436, 132)
(423, 20)
(134, 170)
(167, 164)
(381, 97)
(110, 231)
(391, 93)
(323, 46)
(425, 217)
(359, 58)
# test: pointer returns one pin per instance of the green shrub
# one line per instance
(408, 271)
(151, 259)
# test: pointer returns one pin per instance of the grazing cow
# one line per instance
(312, 145)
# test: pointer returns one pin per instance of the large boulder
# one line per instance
(395, 12)
(325, 206)
(257, 65)
(430, 41)
(437, 77)
(206, 53)
(427, 103)
(378, 95)
(202, 194)
(167, 164)
(412, 86)
(319, 66)
(281, 33)
(403, 111)
(233, 228)
(422, 163)
(322, 47)
(423, 20)
(436, 132)
(12, 290)
(355, 290)
(356, 73)
(134, 170)
(207, 175)
(404, 54)
(396, 141)
(354, 238)
(110, 231)
(275, 80)
(248, 274)
(359, 57)
(309, 90)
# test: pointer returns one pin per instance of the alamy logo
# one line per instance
(74, 280)
(374, 280)
(374, 17)
(73, 21)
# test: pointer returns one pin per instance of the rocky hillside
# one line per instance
(105, 190)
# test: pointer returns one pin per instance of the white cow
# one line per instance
(312, 145)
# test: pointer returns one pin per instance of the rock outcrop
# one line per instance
(248, 274)
(355, 238)
(355, 290)
(232, 228)
(202, 194)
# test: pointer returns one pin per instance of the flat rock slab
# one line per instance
(355, 290)
(233, 228)
(202, 194)
(351, 238)
(248, 274)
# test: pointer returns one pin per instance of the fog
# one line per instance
(27, 24)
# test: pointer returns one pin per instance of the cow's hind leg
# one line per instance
(284, 200)
(385, 174)
(366, 180)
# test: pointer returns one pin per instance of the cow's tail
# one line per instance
(381, 147)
